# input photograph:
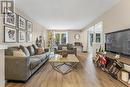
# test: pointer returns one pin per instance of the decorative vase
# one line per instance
(64, 54)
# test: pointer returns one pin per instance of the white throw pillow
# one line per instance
(19, 53)
(64, 48)
(125, 76)
(127, 67)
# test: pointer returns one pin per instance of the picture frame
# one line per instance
(10, 19)
(29, 37)
(7, 7)
(21, 23)
(29, 26)
(10, 35)
(21, 36)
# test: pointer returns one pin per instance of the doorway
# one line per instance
(95, 37)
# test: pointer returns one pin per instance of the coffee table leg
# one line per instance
(71, 66)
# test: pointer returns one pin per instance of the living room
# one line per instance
(82, 43)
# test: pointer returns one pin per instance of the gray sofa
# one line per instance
(70, 49)
(21, 68)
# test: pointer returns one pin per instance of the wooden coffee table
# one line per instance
(63, 65)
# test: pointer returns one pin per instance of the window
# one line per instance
(61, 37)
(95, 34)
(99, 32)
(98, 37)
(57, 38)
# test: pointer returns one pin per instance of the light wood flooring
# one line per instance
(86, 75)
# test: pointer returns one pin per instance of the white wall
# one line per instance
(71, 34)
(37, 29)
(2, 70)
(116, 18)
(84, 39)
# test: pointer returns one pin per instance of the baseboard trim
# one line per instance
(2, 83)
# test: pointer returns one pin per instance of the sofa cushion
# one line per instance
(31, 50)
(70, 51)
(25, 50)
(41, 56)
(60, 47)
(47, 54)
(34, 62)
(70, 46)
(64, 48)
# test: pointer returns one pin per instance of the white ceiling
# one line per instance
(65, 14)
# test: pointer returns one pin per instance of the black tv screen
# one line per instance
(118, 42)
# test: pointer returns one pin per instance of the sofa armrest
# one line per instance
(17, 58)
(46, 50)
(17, 68)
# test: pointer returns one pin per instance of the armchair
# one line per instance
(70, 49)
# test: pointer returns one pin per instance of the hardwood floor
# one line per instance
(84, 76)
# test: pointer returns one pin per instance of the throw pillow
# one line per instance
(35, 48)
(125, 76)
(40, 51)
(60, 47)
(70, 46)
(64, 48)
(19, 53)
(25, 50)
(31, 50)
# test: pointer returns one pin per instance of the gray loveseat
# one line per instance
(21, 68)
(70, 49)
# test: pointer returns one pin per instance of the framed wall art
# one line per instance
(7, 6)
(29, 26)
(10, 35)
(21, 23)
(22, 36)
(29, 37)
(10, 19)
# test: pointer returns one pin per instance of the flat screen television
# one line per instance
(118, 42)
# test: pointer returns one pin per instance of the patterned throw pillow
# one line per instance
(40, 50)
(19, 53)
(31, 50)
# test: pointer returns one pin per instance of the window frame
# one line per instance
(61, 36)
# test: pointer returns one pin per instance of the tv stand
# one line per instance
(124, 60)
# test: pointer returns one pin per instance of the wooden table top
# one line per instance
(69, 58)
